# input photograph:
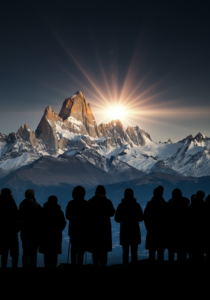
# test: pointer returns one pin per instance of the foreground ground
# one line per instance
(116, 281)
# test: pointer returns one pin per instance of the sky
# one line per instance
(151, 58)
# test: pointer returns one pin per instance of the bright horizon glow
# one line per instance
(116, 112)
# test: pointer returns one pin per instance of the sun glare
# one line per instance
(116, 112)
(133, 102)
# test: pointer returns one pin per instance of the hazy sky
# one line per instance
(152, 57)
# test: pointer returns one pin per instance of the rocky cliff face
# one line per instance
(46, 130)
(25, 133)
(77, 108)
(75, 127)
(137, 135)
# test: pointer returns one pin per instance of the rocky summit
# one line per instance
(74, 128)
(60, 132)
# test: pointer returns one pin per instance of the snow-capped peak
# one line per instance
(200, 136)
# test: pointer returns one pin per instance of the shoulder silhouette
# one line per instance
(129, 214)
(99, 240)
(53, 223)
(178, 225)
(76, 213)
(155, 219)
(30, 217)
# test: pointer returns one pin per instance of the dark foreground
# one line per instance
(144, 280)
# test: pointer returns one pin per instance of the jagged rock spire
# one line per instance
(78, 108)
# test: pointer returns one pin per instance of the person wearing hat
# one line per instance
(155, 219)
(99, 235)
(30, 216)
(196, 228)
(52, 224)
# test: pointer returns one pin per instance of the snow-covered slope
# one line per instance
(120, 170)
(190, 157)
(15, 153)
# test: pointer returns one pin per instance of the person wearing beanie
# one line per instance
(30, 216)
(196, 228)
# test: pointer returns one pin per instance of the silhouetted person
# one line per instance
(196, 215)
(155, 219)
(207, 228)
(177, 226)
(76, 213)
(129, 214)
(9, 228)
(99, 235)
(30, 217)
(52, 224)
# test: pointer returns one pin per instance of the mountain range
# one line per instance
(69, 148)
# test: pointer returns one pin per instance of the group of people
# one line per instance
(176, 225)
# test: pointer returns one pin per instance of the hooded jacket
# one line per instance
(99, 235)
(52, 224)
(155, 219)
(129, 214)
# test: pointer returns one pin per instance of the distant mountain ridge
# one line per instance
(75, 128)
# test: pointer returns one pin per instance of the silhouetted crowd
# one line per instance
(177, 225)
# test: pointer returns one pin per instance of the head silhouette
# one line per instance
(158, 192)
(176, 193)
(199, 195)
(6, 192)
(53, 200)
(128, 193)
(29, 194)
(100, 190)
(78, 192)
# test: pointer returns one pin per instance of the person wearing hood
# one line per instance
(30, 214)
(76, 212)
(129, 214)
(99, 235)
(207, 228)
(155, 219)
(177, 226)
(196, 233)
(9, 228)
(52, 224)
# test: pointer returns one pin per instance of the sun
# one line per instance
(116, 112)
